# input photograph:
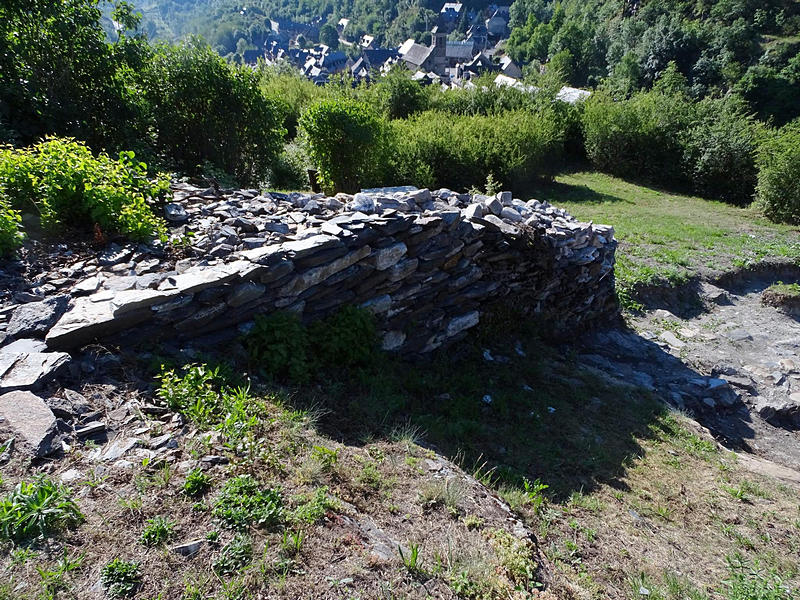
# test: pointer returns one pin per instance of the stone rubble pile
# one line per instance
(425, 263)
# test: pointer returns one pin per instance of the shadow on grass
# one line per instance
(566, 416)
(556, 192)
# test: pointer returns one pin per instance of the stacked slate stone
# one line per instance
(427, 264)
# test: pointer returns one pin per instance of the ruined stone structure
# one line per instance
(426, 264)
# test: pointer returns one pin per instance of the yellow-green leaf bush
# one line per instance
(67, 186)
(11, 234)
(344, 139)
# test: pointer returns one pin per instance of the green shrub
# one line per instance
(663, 137)
(347, 338)
(290, 169)
(121, 578)
(344, 139)
(459, 152)
(278, 345)
(289, 87)
(483, 99)
(37, 509)
(778, 190)
(637, 138)
(243, 502)
(11, 235)
(719, 151)
(398, 96)
(206, 109)
(62, 181)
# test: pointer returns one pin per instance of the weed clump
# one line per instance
(196, 484)
(37, 509)
(515, 558)
(194, 393)
(749, 581)
(281, 346)
(234, 556)
(157, 531)
(243, 502)
(311, 509)
(121, 578)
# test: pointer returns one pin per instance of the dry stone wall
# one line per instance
(427, 264)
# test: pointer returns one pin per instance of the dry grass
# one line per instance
(669, 524)
(347, 509)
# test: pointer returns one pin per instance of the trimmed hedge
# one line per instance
(517, 148)
(344, 139)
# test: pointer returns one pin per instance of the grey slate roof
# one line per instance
(417, 54)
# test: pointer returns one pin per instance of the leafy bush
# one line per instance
(720, 151)
(11, 235)
(665, 138)
(347, 338)
(778, 190)
(398, 96)
(206, 109)
(459, 152)
(121, 578)
(62, 181)
(290, 169)
(59, 74)
(278, 344)
(243, 502)
(37, 509)
(344, 140)
(286, 85)
(636, 138)
(157, 531)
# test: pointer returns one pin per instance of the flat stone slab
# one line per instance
(35, 318)
(29, 370)
(31, 418)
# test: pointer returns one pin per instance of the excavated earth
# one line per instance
(722, 356)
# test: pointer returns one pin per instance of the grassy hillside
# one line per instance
(338, 489)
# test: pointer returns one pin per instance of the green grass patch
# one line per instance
(790, 290)
(668, 238)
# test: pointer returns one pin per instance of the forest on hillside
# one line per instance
(751, 47)
(729, 132)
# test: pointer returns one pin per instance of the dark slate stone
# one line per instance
(36, 318)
